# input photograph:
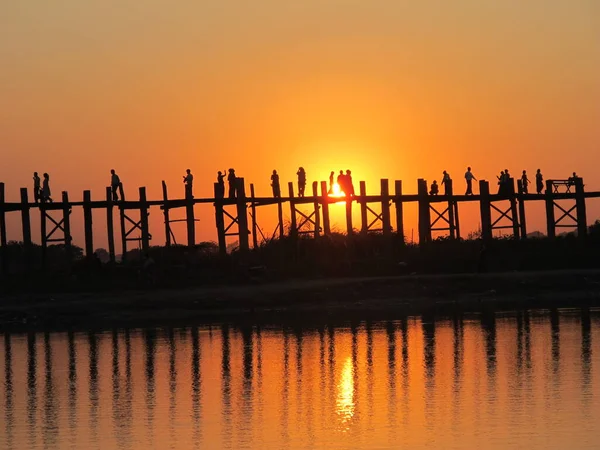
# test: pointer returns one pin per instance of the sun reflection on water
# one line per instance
(345, 398)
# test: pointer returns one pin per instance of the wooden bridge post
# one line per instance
(550, 224)
(293, 226)
(3, 241)
(424, 214)
(485, 210)
(325, 203)
(25, 219)
(580, 208)
(166, 214)
(144, 221)
(87, 223)
(363, 208)
(253, 210)
(242, 214)
(385, 208)
(522, 219)
(456, 220)
(109, 225)
(43, 232)
(349, 228)
(67, 225)
(219, 219)
(513, 208)
(315, 194)
(451, 222)
(123, 230)
(190, 219)
(399, 209)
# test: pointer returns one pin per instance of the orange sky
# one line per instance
(386, 88)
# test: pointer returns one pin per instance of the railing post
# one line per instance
(424, 214)
(242, 214)
(550, 223)
(580, 207)
(485, 211)
(325, 203)
(87, 223)
(399, 209)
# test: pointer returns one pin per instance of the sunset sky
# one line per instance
(387, 88)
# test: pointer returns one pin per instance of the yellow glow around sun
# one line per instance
(336, 191)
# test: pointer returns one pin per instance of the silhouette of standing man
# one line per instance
(188, 179)
(349, 185)
(331, 175)
(115, 182)
(469, 177)
(220, 190)
(275, 184)
(37, 190)
(46, 189)
(301, 181)
(539, 181)
(231, 180)
(341, 181)
(446, 182)
(525, 182)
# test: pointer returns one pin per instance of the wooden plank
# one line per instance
(110, 226)
(165, 209)
(513, 208)
(550, 224)
(242, 214)
(220, 220)
(485, 211)
(25, 219)
(3, 239)
(317, 210)
(67, 225)
(144, 221)
(522, 219)
(399, 209)
(190, 221)
(325, 205)
(385, 208)
(87, 224)
(424, 214)
(364, 219)
(580, 208)
(253, 210)
(293, 225)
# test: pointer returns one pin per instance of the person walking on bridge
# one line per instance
(231, 179)
(525, 182)
(539, 181)
(115, 184)
(188, 179)
(301, 181)
(275, 184)
(469, 177)
(37, 190)
(446, 180)
(46, 189)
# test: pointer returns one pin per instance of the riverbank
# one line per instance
(311, 300)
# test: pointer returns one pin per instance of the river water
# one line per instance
(525, 380)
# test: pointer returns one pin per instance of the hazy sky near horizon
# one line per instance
(387, 88)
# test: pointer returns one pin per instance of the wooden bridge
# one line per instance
(435, 213)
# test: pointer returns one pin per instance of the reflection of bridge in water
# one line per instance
(438, 213)
(236, 385)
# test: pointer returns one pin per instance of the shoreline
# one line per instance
(306, 301)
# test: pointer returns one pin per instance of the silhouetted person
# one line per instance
(501, 183)
(115, 182)
(188, 179)
(220, 191)
(469, 177)
(349, 185)
(331, 175)
(301, 181)
(572, 179)
(231, 181)
(434, 188)
(539, 181)
(46, 189)
(341, 181)
(446, 182)
(525, 182)
(37, 189)
(275, 184)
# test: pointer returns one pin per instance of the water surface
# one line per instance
(526, 380)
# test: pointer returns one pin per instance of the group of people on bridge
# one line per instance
(504, 182)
